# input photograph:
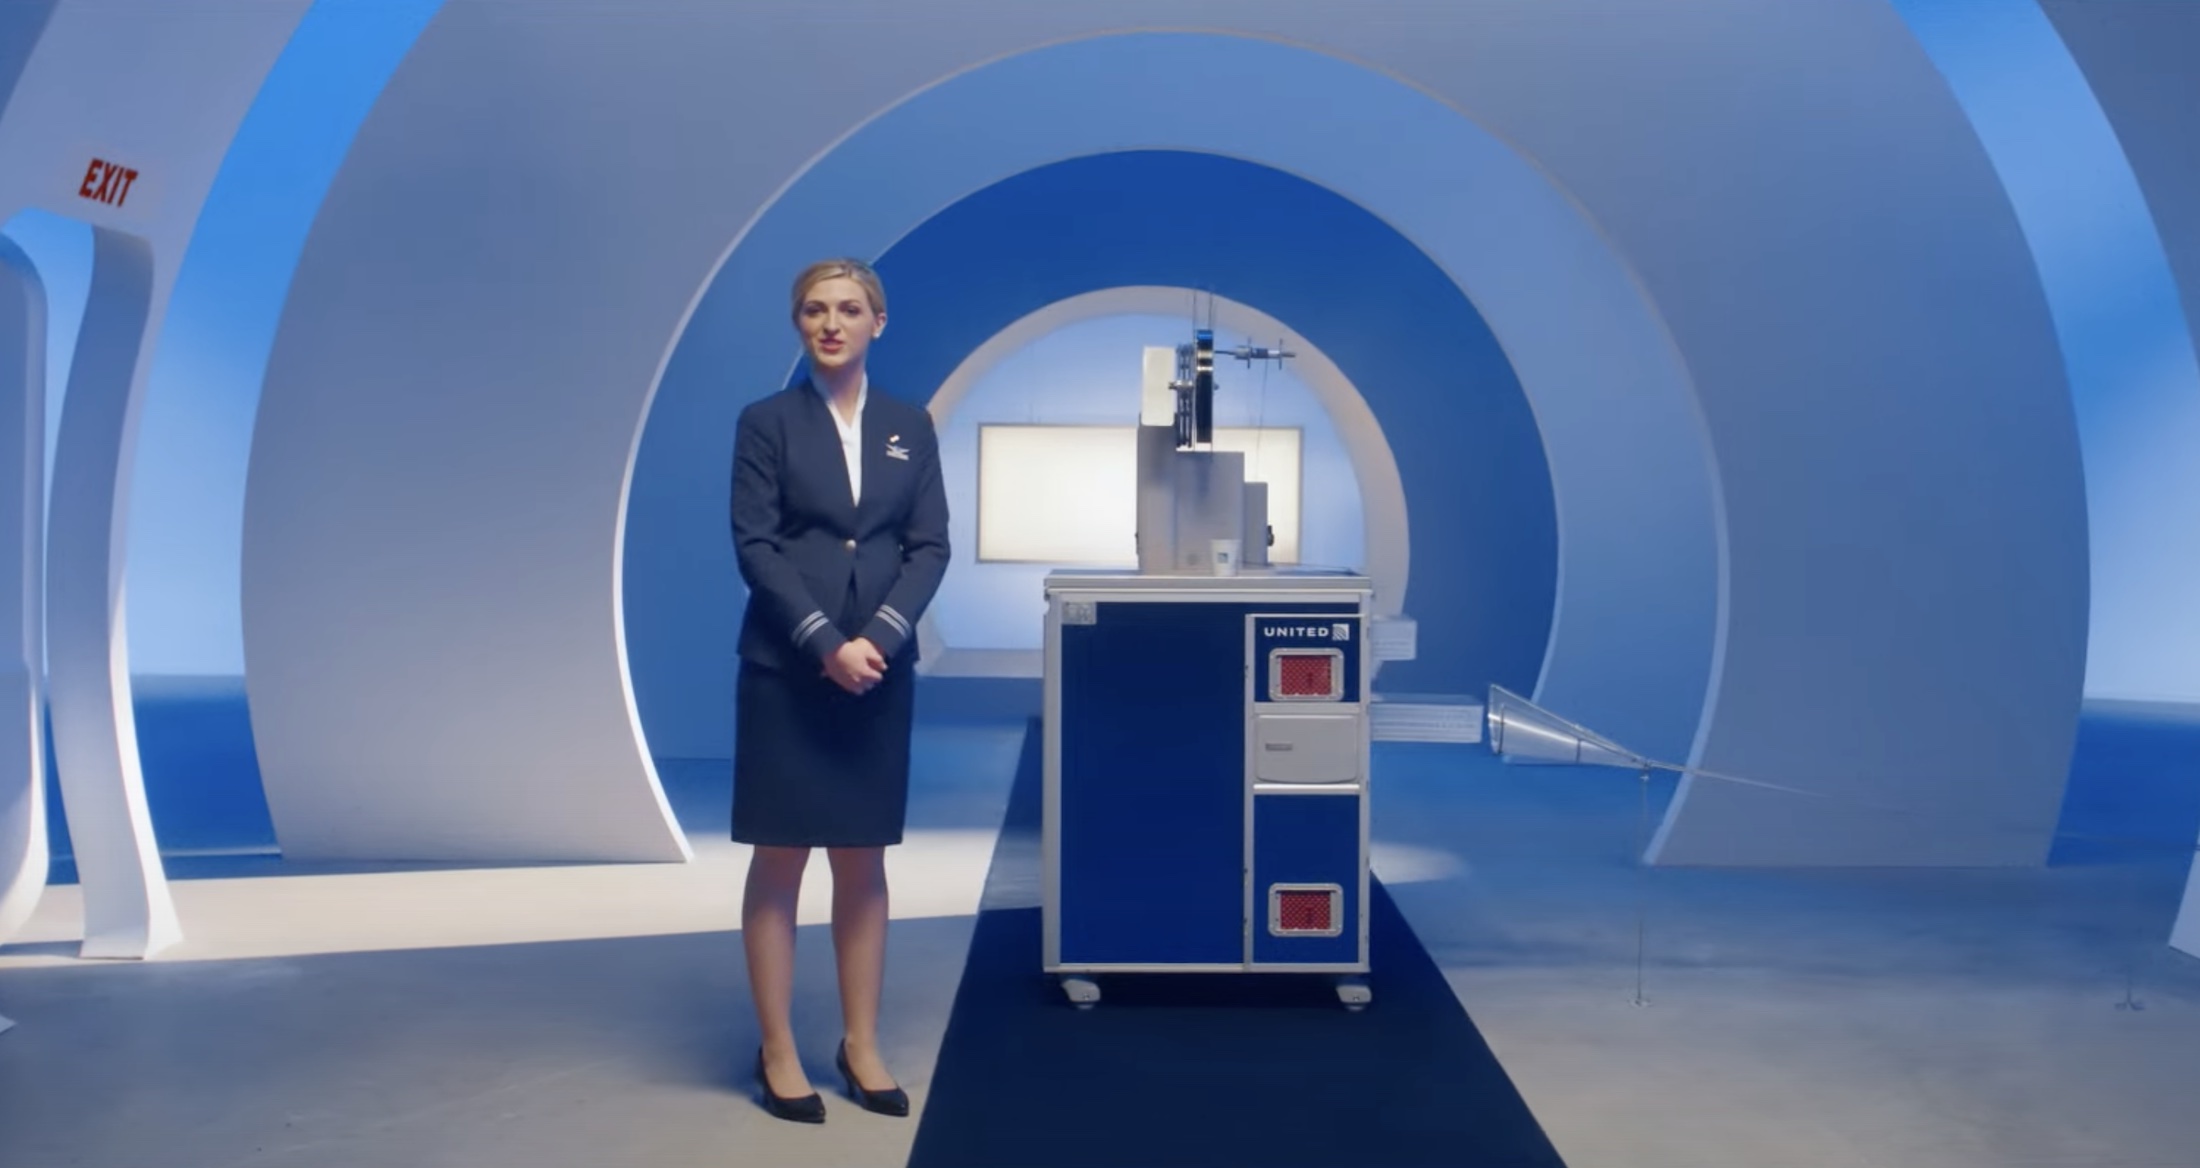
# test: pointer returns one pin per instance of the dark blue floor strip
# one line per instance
(1200, 1069)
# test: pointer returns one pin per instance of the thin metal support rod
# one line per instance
(1642, 886)
(2131, 1003)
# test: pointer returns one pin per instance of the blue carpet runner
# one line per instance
(1265, 1070)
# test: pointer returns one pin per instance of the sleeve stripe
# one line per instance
(810, 624)
(900, 622)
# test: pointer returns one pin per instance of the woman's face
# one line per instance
(837, 323)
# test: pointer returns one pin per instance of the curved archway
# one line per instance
(1632, 632)
(1832, 322)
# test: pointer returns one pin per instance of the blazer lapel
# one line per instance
(827, 429)
(873, 453)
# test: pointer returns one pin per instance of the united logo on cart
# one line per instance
(1306, 659)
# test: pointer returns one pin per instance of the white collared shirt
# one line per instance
(851, 434)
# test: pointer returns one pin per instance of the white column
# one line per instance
(127, 910)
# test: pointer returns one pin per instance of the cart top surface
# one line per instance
(1277, 579)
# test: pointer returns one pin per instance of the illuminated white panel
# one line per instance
(1058, 494)
(1069, 494)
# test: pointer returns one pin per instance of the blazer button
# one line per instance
(850, 545)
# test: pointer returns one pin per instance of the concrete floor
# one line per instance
(1906, 1019)
(597, 1015)
(482, 1018)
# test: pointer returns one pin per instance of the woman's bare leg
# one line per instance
(859, 945)
(767, 932)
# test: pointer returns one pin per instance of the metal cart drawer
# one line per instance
(1306, 748)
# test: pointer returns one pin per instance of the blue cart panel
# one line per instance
(1206, 778)
(1152, 787)
(1306, 879)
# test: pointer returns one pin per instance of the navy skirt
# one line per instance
(817, 766)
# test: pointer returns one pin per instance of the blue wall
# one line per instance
(1478, 491)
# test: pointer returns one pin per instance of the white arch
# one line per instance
(1804, 296)
(1382, 493)
(502, 496)
(128, 910)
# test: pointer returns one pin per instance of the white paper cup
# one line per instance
(1224, 556)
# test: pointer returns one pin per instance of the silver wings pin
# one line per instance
(893, 451)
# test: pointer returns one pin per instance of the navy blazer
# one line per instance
(802, 540)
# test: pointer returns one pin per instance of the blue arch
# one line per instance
(1485, 543)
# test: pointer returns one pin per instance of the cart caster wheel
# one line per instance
(1083, 992)
(1354, 993)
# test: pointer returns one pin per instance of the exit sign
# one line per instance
(107, 182)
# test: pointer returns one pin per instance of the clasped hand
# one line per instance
(856, 666)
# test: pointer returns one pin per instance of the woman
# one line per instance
(840, 529)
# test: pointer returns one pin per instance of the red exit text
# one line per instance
(107, 182)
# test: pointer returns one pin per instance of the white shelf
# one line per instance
(1425, 718)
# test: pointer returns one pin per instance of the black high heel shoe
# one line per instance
(892, 1101)
(808, 1108)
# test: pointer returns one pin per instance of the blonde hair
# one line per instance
(824, 270)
